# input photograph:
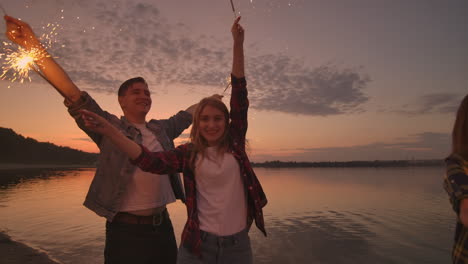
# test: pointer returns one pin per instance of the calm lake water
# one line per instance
(314, 215)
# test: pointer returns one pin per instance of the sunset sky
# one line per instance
(328, 79)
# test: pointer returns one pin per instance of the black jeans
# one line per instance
(140, 243)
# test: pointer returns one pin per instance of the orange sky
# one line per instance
(304, 64)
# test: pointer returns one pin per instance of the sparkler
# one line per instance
(18, 63)
(228, 80)
(3, 9)
(233, 9)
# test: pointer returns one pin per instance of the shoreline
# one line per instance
(14, 252)
(16, 166)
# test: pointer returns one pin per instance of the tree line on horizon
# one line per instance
(349, 164)
(19, 149)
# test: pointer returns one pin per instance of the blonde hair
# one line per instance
(460, 130)
(199, 143)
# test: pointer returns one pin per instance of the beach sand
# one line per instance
(12, 252)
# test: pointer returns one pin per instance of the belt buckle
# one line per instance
(159, 216)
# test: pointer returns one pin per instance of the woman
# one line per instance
(223, 193)
(456, 182)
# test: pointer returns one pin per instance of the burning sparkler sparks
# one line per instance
(17, 63)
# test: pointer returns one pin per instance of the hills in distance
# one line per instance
(17, 149)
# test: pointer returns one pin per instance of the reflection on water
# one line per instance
(332, 215)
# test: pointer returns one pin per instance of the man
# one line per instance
(138, 227)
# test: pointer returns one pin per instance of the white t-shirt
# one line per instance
(147, 190)
(221, 198)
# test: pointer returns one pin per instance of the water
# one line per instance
(314, 215)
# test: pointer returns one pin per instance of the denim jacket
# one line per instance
(114, 169)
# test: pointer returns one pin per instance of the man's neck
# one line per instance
(136, 119)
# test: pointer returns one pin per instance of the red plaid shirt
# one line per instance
(178, 160)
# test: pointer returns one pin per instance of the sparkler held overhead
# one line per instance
(31, 55)
(233, 9)
(235, 17)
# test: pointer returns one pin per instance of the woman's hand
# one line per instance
(237, 32)
(21, 33)
(96, 123)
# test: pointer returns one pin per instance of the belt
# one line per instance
(155, 220)
(223, 241)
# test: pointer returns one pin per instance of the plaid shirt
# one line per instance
(178, 160)
(456, 185)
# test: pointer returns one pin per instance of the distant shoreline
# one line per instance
(350, 164)
(266, 164)
(16, 166)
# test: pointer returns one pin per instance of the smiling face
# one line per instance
(212, 124)
(136, 101)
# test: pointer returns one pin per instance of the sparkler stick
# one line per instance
(3, 9)
(228, 80)
(233, 9)
(227, 86)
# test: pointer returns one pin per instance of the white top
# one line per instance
(221, 198)
(147, 190)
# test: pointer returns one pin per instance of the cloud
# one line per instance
(83, 139)
(426, 145)
(118, 40)
(287, 85)
(440, 103)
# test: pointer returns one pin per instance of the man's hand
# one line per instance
(464, 212)
(21, 33)
(237, 32)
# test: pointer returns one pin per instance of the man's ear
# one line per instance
(121, 100)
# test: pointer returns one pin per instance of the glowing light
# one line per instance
(17, 62)
(20, 62)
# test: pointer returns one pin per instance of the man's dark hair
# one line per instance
(128, 83)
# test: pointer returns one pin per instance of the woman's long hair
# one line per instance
(200, 143)
(460, 130)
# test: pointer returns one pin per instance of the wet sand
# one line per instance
(13, 252)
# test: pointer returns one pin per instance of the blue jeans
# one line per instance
(234, 249)
(140, 243)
